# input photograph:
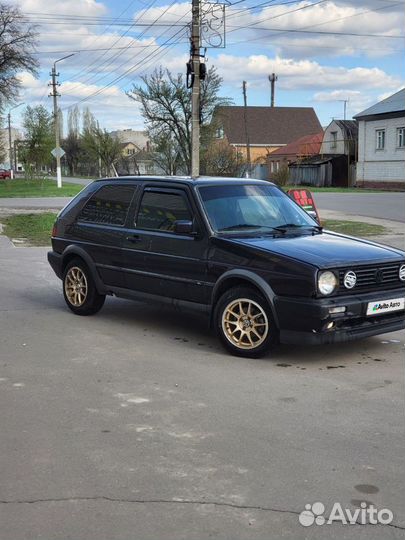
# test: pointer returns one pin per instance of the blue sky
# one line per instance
(313, 46)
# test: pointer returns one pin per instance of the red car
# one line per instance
(4, 174)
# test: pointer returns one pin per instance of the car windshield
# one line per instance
(251, 207)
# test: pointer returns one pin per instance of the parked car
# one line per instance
(4, 173)
(241, 251)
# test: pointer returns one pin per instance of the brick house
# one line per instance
(269, 128)
(304, 147)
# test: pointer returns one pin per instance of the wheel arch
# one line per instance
(234, 278)
(74, 252)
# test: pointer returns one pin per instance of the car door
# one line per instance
(100, 229)
(164, 262)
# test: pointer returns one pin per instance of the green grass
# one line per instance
(37, 188)
(35, 229)
(354, 228)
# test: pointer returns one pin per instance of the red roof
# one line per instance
(308, 145)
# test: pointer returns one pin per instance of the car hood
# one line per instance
(325, 250)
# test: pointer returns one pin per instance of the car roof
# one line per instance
(200, 181)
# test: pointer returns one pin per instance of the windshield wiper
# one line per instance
(246, 226)
(283, 228)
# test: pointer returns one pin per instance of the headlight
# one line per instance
(327, 282)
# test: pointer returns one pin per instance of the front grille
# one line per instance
(372, 278)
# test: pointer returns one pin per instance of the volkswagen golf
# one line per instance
(240, 251)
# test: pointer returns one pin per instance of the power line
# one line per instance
(153, 57)
(304, 29)
(103, 49)
(99, 57)
(301, 8)
(133, 68)
(109, 61)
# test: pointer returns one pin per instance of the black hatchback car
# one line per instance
(242, 251)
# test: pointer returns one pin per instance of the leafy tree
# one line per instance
(17, 43)
(166, 107)
(72, 145)
(73, 148)
(102, 146)
(39, 141)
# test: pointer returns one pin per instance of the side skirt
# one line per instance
(180, 305)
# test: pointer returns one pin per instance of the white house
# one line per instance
(381, 157)
(340, 138)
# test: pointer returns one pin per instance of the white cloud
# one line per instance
(327, 17)
(301, 74)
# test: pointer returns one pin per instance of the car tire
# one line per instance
(79, 289)
(244, 323)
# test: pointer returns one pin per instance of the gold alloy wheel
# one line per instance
(245, 323)
(76, 286)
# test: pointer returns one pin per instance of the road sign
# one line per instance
(305, 199)
(58, 152)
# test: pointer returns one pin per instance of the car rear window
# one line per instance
(109, 205)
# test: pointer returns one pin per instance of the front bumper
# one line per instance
(308, 321)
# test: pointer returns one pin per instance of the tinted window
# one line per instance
(159, 211)
(109, 205)
(236, 207)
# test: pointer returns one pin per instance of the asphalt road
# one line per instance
(133, 424)
(390, 206)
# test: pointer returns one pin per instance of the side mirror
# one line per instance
(314, 215)
(183, 226)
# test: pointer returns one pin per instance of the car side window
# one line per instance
(159, 210)
(109, 205)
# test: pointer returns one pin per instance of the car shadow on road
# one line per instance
(192, 331)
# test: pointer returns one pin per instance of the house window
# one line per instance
(219, 133)
(334, 139)
(401, 137)
(380, 139)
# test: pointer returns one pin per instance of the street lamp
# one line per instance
(10, 145)
(58, 151)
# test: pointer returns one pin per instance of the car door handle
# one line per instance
(133, 238)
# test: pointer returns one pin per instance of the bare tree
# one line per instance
(166, 106)
(165, 152)
(17, 43)
(220, 159)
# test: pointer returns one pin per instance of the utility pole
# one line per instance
(246, 129)
(10, 142)
(195, 96)
(10, 146)
(58, 152)
(345, 102)
(272, 78)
